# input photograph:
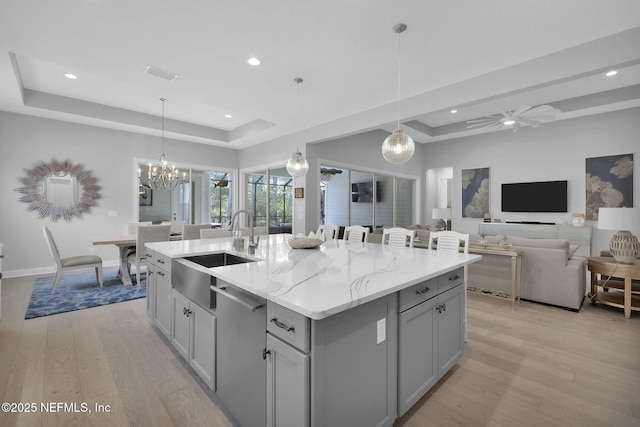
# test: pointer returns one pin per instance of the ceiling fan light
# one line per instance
(398, 147)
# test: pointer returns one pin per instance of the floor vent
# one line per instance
(159, 72)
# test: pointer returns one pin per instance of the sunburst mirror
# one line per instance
(59, 189)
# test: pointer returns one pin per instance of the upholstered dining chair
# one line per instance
(257, 231)
(398, 237)
(147, 234)
(213, 233)
(452, 241)
(356, 233)
(177, 227)
(70, 263)
(132, 227)
(329, 231)
(192, 231)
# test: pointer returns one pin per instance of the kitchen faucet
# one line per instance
(252, 245)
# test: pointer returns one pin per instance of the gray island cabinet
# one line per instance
(346, 334)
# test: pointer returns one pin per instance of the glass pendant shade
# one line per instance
(297, 165)
(398, 147)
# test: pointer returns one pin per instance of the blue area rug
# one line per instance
(77, 291)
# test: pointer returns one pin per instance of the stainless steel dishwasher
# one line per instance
(241, 340)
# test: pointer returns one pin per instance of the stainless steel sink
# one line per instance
(188, 278)
(217, 260)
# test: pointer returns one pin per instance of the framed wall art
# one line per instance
(475, 192)
(609, 183)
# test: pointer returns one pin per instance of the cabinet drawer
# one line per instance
(292, 327)
(451, 279)
(162, 261)
(418, 293)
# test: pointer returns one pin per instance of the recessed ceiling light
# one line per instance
(611, 73)
(228, 116)
(71, 76)
(253, 61)
(454, 111)
(509, 122)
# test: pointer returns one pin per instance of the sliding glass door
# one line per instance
(269, 199)
(351, 197)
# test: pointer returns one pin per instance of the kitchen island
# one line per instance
(345, 334)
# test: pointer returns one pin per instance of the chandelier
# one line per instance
(297, 165)
(398, 147)
(162, 176)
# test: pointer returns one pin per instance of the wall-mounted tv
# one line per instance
(363, 192)
(548, 196)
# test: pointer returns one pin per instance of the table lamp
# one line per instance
(624, 246)
(443, 214)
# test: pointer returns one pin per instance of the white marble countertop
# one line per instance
(320, 282)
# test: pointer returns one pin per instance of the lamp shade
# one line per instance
(624, 246)
(619, 219)
(441, 213)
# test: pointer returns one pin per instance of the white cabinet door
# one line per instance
(163, 301)
(180, 323)
(287, 385)
(202, 349)
(417, 357)
(450, 308)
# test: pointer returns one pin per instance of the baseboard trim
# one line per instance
(39, 271)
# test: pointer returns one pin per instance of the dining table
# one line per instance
(126, 244)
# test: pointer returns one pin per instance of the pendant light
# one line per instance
(162, 176)
(297, 165)
(398, 147)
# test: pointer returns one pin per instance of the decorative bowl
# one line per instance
(305, 242)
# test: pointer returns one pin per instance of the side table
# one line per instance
(607, 266)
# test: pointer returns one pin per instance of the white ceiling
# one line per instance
(476, 56)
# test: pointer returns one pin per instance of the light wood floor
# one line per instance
(533, 366)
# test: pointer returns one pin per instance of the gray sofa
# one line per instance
(550, 272)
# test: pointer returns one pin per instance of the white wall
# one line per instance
(109, 154)
(553, 151)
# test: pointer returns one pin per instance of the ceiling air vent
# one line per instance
(159, 72)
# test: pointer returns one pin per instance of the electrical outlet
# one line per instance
(382, 330)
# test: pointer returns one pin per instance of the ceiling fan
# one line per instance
(521, 116)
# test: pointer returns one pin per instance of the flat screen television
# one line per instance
(363, 192)
(548, 196)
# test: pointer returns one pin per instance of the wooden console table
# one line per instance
(607, 266)
(516, 266)
(494, 250)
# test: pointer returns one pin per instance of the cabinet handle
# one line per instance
(444, 306)
(281, 325)
(150, 256)
(423, 290)
(235, 298)
(188, 313)
(184, 310)
(160, 273)
(456, 277)
(439, 308)
(160, 261)
(264, 353)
